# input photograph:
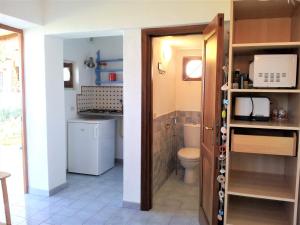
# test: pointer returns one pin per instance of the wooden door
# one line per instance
(211, 114)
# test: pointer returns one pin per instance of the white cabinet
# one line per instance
(91, 145)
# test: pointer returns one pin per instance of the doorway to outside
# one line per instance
(13, 157)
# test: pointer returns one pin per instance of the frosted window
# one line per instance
(67, 74)
(193, 68)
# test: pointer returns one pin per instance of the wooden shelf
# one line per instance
(260, 185)
(252, 47)
(291, 91)
(279, 125)
(111, 70)
(112, 60)
(111, 83)
(245, 211)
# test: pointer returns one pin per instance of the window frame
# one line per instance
(185, 61)
(69, 84)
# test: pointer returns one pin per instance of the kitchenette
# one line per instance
(94, 104)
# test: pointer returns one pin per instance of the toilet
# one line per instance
(189, 156)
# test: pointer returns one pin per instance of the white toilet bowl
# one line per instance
(189, 159)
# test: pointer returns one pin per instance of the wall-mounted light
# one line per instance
(161, 68)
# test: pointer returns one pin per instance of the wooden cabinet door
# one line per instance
(211, 113)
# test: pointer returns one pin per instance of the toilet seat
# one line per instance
(189, 153)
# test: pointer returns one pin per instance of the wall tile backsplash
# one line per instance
(100, 97)
(167, 140)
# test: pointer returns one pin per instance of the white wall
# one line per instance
(111, 47)
(132, 115)
(188, 93)
(45, 112)
(56, 139)
(170, 92)
(36, 120)
(76, 51)
(164, 85)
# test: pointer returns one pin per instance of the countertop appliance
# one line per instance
(91, 145)
(252, 108)
(274, 71)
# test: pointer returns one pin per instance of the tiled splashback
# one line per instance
(100, 97)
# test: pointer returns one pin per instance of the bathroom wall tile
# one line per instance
(164, 152)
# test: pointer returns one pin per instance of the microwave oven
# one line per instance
(274, 71)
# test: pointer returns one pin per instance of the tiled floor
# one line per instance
(177, 202)
(90, 200)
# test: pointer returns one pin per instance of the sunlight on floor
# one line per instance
(11, 162)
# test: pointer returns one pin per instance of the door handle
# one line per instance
(208, 128)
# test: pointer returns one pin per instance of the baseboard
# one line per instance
(57, 189)
(53, 191)
(36, 191)
(131, 205)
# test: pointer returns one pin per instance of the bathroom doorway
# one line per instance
(212, 61)
(176, 100)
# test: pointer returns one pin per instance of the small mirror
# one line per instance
(192, 68)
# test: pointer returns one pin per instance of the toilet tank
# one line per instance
(191, 135)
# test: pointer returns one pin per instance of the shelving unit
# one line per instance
(253, 90)
(263, 189)
(111, 70)
(113, 65)
(112, 60)
(252, 47)
(281, 125)
(261, 185)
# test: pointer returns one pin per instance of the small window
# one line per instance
(68, 75)
(192, 68)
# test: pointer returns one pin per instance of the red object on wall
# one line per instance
(112, 76)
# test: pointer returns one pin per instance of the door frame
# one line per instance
(147, 104)
(24, 135)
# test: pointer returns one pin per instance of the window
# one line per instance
(192, 68)
(68, 75)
